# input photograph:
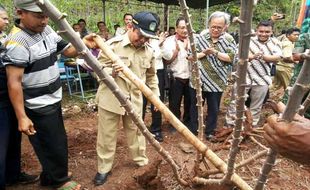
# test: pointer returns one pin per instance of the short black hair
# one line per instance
(179, 20)
(100, 22)
(171, 27)
(81, 20)
(265, 23)
(127, 14)
(291, 30)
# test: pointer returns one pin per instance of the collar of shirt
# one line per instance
(126, 41)
(220, 38)
(2, 37)
(17, 24)
(265, 42)
(178, 37)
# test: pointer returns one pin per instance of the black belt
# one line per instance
(184, 81)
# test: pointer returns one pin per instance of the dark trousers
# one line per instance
(193, 124)
(213, 100)
(178, 89)
(50, 145)
(156, 116)
(10, 147)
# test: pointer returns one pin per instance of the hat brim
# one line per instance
(148, 34)
(32, 8)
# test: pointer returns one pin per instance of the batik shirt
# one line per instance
(258, 72)
(213, 71)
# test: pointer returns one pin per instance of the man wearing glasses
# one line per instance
(216, 52)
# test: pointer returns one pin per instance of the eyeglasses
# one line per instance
(216, 28)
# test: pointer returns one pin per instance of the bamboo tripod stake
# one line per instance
(197, 82)
(245, 31)
(245, 22)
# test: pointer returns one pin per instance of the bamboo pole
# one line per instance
(295, 98)
(196, 77)
(67, 31)
(245, 22)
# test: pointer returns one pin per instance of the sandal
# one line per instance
(70, 186)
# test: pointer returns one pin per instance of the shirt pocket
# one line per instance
(125, 60)
(144, 66)
(145, 63)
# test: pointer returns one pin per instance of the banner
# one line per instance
(304, 12)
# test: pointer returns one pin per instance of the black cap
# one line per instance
(147, 24)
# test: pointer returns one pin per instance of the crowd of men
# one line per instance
(31, 92)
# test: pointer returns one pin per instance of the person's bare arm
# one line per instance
(289, 139)
(14, 76)
(271, 58)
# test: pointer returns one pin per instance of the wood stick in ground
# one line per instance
(67, 31)
(196, 76)
(239, 165)
(305, 106)
(296, 95)
(245, 22)
(178, 125)
(258, 143)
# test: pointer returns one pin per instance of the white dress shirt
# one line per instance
(180, 66)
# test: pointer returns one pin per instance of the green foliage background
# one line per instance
(92, 11)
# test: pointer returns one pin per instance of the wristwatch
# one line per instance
(216, 53)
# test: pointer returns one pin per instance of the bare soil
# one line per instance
(157, 175)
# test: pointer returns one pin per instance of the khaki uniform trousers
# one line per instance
(283, 77)
(258, 94)
(108, 123)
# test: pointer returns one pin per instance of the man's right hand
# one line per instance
(25, 126)
(116, 68)
(289, 139)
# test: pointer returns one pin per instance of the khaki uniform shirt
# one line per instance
(287, 49)
(141, 62)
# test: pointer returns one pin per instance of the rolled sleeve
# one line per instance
(151, 78)
(15, 48)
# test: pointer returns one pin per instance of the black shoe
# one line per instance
(171, 129)
(159, 137)
(24, 178)
(211, 138)
(100, 179)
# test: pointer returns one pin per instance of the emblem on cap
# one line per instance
(152, 26)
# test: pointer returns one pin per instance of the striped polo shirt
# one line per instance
(258, 72)
(37, 53)
(213, 71)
